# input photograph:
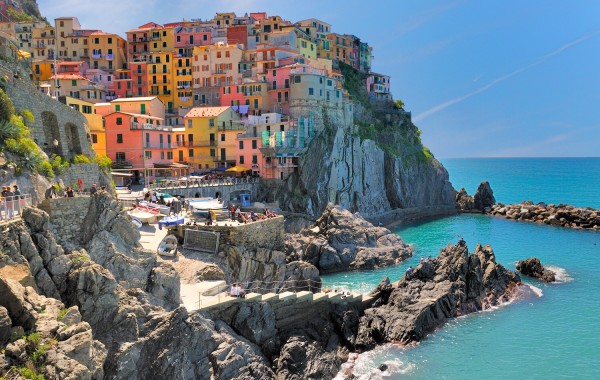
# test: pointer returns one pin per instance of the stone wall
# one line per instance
(66, 217)
(268, 234)
(53, 120)
(89, 174)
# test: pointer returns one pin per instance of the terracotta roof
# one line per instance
(70, 77)
(139, 99)
(206, 111)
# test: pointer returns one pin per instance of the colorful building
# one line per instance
(94, 120)
(378, 87)
(210, 137)
(109, 51)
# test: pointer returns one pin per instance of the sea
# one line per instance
(553, 331)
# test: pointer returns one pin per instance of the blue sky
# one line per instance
(481, 78)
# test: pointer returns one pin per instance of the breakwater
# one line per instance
(552, 214)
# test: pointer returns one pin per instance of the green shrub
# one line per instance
(61, 314)
(7, 109)
(80, 159)
(45, 169)
(8, 131)
(26, 146)
(27, 116)
(104, 163)
(29, 373)
(31, 161)
(59, 165)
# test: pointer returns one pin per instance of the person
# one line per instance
(18, 197)
(94, 189)
(10, 202)
(209, 218)
(69, 192)
(409, 272)
(238, 213)
(147, 196)
(232, 212)
(429, 259)
(214, 216)
(50, 192)
(175, 206)
(80, 184)
(161, 200)
(422, 259)
(253, 216)
(153, 198)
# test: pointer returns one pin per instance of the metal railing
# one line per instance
(178, 184)
(11, 207)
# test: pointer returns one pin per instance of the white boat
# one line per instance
(168, 246)
(137, 223)
(122, 190)
(204, 204)
(142, 215)
(163, 209)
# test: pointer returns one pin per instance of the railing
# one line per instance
(224, 159)
(154, 127)
(109, 57)
(11, 207)
(158, 146)
(96, 56)
(205, 143)
(178, 184)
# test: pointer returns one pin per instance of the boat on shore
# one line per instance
(163, 209)
(168, 246)
(143, 216)
(202, 205)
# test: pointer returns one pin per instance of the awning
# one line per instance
(117, 174)
(170, 165)
(237, 169)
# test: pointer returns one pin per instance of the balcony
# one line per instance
(203, 144)
(157, 146)
(181, 144)
(150, 127)
(138, 73)
(109, 57)
(184, 98)
(228, 159)
(158, 81)
(96, 56)
(156, 93)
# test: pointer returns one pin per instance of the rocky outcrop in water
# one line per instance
(532, 267)
(555, 215)
(340, 241)
(455, 283)
(482, 201)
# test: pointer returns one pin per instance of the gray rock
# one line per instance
(5, 325)
(455, 283)
(484, 196)
(532, 267)
(164, 284)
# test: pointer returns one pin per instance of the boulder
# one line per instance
(532, 267)
(5, 326)
(463, 200)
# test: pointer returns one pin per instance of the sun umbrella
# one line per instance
(237, 169)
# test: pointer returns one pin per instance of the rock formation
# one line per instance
(555, 215)
(340, 241)
(453, 284)
(484, 196)
(532, 267)
(482, 201)
(359, 175)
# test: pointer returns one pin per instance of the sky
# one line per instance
(494, 78)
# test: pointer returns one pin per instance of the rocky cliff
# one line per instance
(340, 241)
(455, 283)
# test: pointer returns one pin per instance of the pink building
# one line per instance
(139, 79)
(140, 143)
(378, 87)
(279, 89)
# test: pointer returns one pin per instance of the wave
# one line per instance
(366, 366)
(561, 274)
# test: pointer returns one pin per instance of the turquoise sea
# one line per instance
(554, 332)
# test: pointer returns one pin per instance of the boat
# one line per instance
(168, 221)
(142, 215)
(168, 246)
(202, 205)
(163, 209)
(122, 190)
(136, 222)
(151, 210)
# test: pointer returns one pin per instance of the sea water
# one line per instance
(552, 333)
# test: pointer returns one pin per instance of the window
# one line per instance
(96, 40)
(94, 138)
(119, 121)
(241, 144)
(227, 54)
(255, 159)
(241, 159)
(254, 144)
(222, 136)
(120, 156)
(311, 91)
(74, 83)
(169, 155)
(86, 109)
(162, 155)
(189, 123)
(218, 54)
(297, 79)
(148, 154)
(213, 152)
(110, 40)
(190, 154)
(119, 138)
(211, 122)
(274, 85)
(274, 73)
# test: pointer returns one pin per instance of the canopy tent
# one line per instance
(237, 169)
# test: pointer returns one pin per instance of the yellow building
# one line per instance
(77, 86)
(72, 41)
(94, 120)
(42, 70)
(183, 80)
(159, 74)
(44, 43)
(217, 65)
(109, 51)
(209, 140)
(24, 34)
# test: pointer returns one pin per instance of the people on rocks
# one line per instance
(17, 199)
(94, 189)
(69, 193)
(237, 291)
(50, 192)
(409, 272)
(232, 212)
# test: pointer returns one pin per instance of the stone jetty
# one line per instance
(556, 215)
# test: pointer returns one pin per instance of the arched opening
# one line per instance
(52, 142)
(73, 142)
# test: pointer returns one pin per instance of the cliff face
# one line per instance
(390, 170)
